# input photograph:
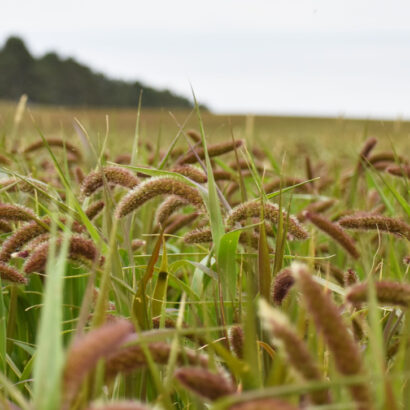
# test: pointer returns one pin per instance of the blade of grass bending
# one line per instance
(134, 153)
(139, 304)
(263, 259)
(211, 200)
(160, 291)
(3, 332)
(49, 356)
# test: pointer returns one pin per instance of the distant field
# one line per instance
(315, 135)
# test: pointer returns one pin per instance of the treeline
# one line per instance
(51, 79)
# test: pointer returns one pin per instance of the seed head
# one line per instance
(296, 351)
(335, 232)
(252, 209)
(137, 243)
(350, 278)
(168, 207)
(368, 146)
(236, 338)
(194, 135)
(370, 221)
(5, 226)
(7, 272)
(94, 209)
(201, 235)
(281, 285)
(191, 172)
(338, 338)
(85, 352)
(124, 159)
(204, 383)
(79, 175)
(132, 357)
(180, 222)
(399, 171)
(388, 293)
(316, 207)
(154, 187)
(113, 175)
(386, 157)
(54, 142)
(213, 151)
(13, 212)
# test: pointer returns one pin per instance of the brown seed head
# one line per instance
(154, 187)
(94, 209)
(281, 285)
(335, 232)
(14, 212)
(213, 151)
(388, 293)
(316, 207)
(366, 221)
(201, 235)
(112, 175)
(296, 351)
(236, 338)
(168, 207)
(180, 222)
(204, 383)
(11, 274)
(399, 171)
(191, 172)
(54, 142)
(338, 338)
(252, 209)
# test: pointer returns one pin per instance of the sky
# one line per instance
(305, 57)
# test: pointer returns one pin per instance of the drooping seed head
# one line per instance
(204, 383)
(316, 207)
(387, 292)
(213, 151)
(179, 222)
(132, 357)
(194, 135)
(80, 249)
(335, 232)
(201, 235)
(236, 338)
(399, 170)
(252, 209)
(5, 226)
(14, 212)
(94, 209)
(191, 172)
(281, 285)
(55, 142)
(11, 274)
(370, 221)
(339, 339)
(295, 349)
(83, 355)
(168, 207)
(368, 146)
(112, 174)
(154, 187)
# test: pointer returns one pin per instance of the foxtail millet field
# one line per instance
(155, 260)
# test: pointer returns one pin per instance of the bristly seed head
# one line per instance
(370, 221)
(281, 285)
(168, 207)
(113, 175)
(154, 187)
(16, 212)
(191, 172)
(8, 272)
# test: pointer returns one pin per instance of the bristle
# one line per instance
(296, 351)
(281, 285)
(191, 172)
(335, 232)
(154, 187)
(94, 209)
(388, 293)
(113, 175)
(213, 151)
(252, 209)
(132, 357)
(86, 351)
(326, 315)
(204, 383)
(168, 207)
(366, 221)
(11, 274)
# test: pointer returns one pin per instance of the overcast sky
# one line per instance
(332, 57)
